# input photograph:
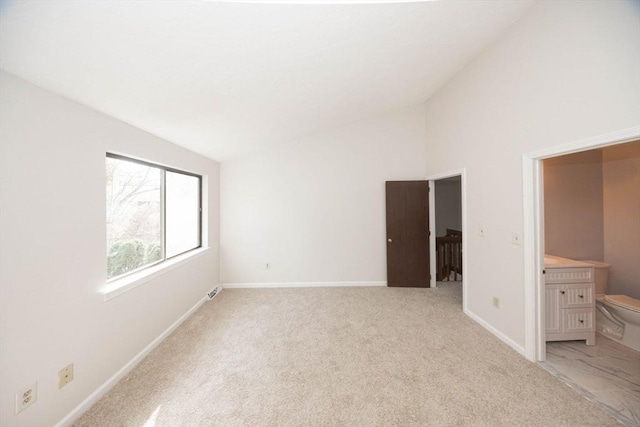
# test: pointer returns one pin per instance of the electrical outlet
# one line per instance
(65, 376)
(26, 397)
(515, 239)
(481, 232)
(496, 302)
(268, 266)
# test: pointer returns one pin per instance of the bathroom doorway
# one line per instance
(533, 241)
(447, 238)
(618, 402)
(592, 216)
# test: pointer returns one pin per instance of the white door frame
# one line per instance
(535, 345)
(462, 173)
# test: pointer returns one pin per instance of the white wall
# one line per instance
(573, 212)
(564, 72)
(448, 198)
(621, 197)
(315, 209)
(53, 247)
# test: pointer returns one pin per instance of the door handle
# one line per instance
(389, 240)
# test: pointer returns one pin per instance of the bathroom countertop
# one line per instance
(552, 261)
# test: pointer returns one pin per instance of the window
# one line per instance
(153, 213)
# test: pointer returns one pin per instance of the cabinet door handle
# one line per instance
(580, 296)
(580, 320)
(562, 292)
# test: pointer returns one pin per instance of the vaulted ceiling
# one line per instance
(228, 78)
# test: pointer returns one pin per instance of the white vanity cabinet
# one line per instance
(570, 305)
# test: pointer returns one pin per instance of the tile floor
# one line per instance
(607, 373)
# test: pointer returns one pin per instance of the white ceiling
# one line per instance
(227, 79)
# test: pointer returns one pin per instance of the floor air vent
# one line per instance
(213, 292)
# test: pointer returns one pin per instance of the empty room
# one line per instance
(345, 213)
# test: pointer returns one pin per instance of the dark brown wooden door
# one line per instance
(408, 234)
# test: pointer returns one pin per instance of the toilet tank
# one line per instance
(601, 274)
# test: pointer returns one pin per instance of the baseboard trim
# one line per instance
(72, 416)
(502, 337)
(300, 284)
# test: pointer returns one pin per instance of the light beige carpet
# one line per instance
(338, 356)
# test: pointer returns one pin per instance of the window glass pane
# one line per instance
(133, 216)
(182, 195)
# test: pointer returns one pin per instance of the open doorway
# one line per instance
(534, 249)
(447, 239)
(534, 274)
(448, 229)
(592, 287)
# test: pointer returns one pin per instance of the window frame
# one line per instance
(163, 213)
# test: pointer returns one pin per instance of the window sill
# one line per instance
(121, 286)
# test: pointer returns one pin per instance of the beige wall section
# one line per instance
(573, 215)
(448, 207)
(53, 251)
(592, 211)
(621, 196)
(564, 72)
(315, 209)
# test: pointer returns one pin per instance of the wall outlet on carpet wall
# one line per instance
(496, 302)
(26, 397)
(515, 239)
(65, 376)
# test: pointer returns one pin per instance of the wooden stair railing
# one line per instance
(449, 255)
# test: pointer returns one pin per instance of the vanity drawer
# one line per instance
(578, 320)
(569, 275)
(578, 295)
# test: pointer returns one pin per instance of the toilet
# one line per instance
(617, 316)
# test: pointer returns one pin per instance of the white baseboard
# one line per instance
(72, 416)
(300, 284)
(505, 339)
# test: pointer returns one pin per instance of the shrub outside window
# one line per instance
(154, 213)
